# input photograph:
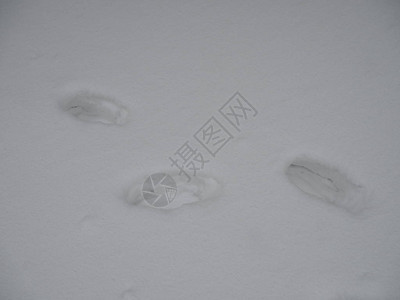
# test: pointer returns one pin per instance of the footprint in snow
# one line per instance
(94, 107)
(200, 188)
(328, 184)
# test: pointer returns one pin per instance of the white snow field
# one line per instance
(296, 193)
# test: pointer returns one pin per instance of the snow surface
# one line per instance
(91, 107)
(324, 77)
(327, 183)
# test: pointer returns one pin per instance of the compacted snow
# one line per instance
(277, 123)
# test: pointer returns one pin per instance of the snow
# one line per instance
(324, 79)
(199, 188)
(92, 107)
(328, 184)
